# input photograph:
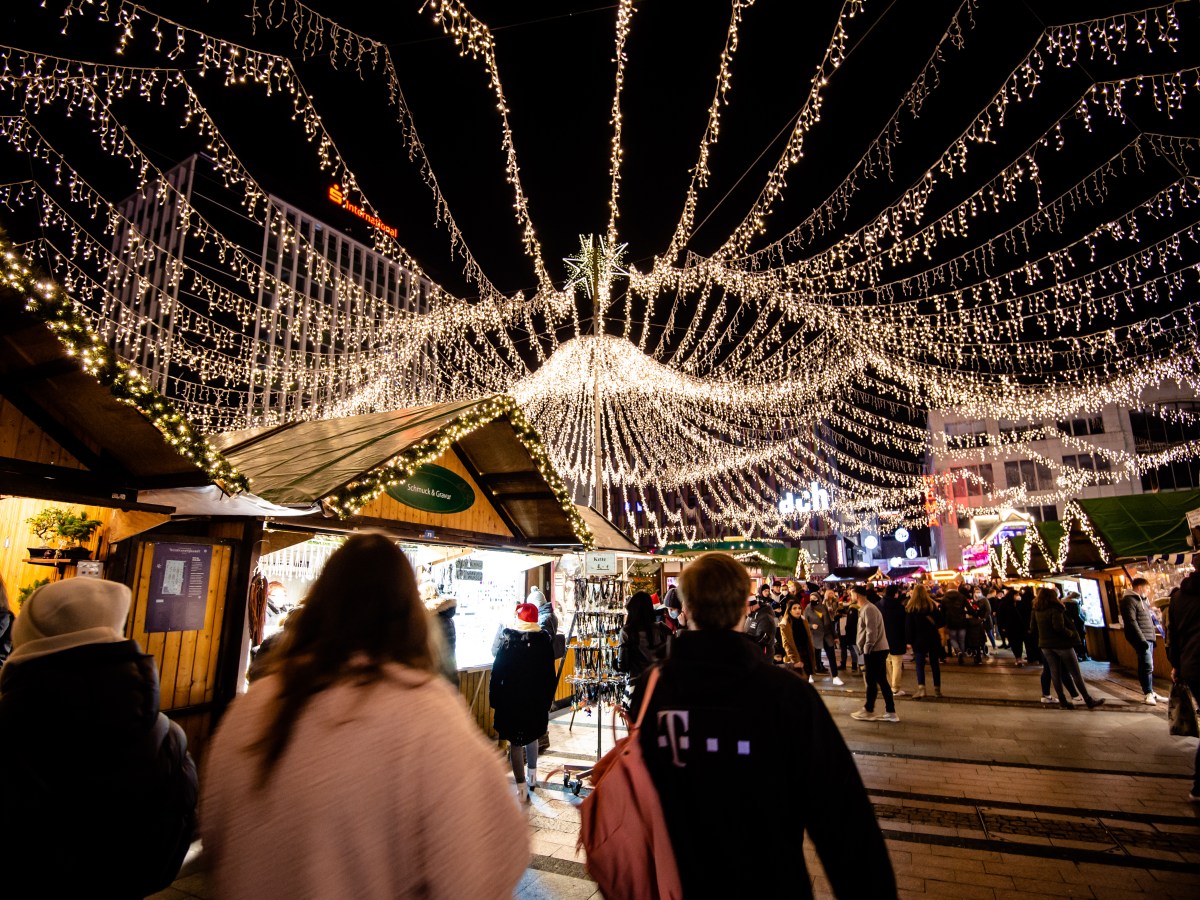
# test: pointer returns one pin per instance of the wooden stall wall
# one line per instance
(18, 536)
(473, 684)
(481, 518)
(187, 660)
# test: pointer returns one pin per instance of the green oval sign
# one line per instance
(434, 489)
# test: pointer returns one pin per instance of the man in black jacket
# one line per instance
(1183, 649)
(761, 626)
(719, 724)
(100, 792)
(1138, 626)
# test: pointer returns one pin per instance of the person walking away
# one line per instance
(1021, 638)
(1002, 609)
(1075, 620)
(892, 608)
(1183, 650)
(340, 773)
(100, 792)
(797, 645)
(717, 726)
(954, 608)
(847, 631)
(521, 691)
(644, 640)
(975, 627)
(1140, 632)
(821, 630)
(923, 621)
(873, 648)
(1057, 640)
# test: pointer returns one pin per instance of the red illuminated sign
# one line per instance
(338, 197)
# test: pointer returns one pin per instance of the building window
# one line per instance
(1082, 427)
(1154, 433)
(972, 481)
(1032, 474)
(1010, 427)
(964, 435)
(1088, 462)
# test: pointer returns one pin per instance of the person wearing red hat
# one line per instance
(522, 689)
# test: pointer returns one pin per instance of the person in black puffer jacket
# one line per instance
(101, 792)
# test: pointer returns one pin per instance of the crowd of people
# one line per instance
(809, 630)
(353, 768)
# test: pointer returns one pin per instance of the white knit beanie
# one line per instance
(70, 613)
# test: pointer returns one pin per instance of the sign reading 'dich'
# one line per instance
(338, 196)
(434, 489)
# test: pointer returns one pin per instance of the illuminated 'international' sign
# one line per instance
(338, 197)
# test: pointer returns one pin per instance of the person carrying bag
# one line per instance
(623, 830)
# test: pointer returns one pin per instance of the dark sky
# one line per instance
(556, 63)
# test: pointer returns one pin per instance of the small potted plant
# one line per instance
(45, 526)
(75, 531)
(69, 530)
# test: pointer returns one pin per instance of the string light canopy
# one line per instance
(1005, 241)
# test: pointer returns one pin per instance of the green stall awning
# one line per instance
(1141, 525)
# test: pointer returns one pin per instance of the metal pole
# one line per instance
(597, 426)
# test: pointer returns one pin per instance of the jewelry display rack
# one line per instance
(593, 637)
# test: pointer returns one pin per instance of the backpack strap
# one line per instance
(650, 684)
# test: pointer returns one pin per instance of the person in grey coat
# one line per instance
(873, 648)
(1140, 632)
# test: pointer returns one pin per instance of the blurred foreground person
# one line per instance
(100, 794)
(719, 724)
(1183, 649)
(351, 769)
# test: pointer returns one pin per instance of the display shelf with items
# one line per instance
(593, 639)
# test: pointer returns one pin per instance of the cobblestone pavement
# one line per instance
(984, 793)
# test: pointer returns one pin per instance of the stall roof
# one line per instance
(770, 557)
(854, 573)
(902, 572)
(307, 462)
(1141, 525)
(608, 535)
(120, 450)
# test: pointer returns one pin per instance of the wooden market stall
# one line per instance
(471, 474)
(1108, 541)
(91, 442)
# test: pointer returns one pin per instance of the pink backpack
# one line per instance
(623, 829)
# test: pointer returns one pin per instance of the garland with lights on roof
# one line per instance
(50, 303)
(350, 499)
(1002, 556)
(748, 391)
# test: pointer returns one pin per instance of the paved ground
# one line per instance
(984, 793)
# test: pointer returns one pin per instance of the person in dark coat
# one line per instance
(954, 608)
(644, 640)
(1075, 620)
(100, 793)
(719, 724)
(892, 607)
(1141, 634)
(1019, 635)
(1183, 651)
(922, 623)
(522, 689)
(1057, 640)
(761, 625)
